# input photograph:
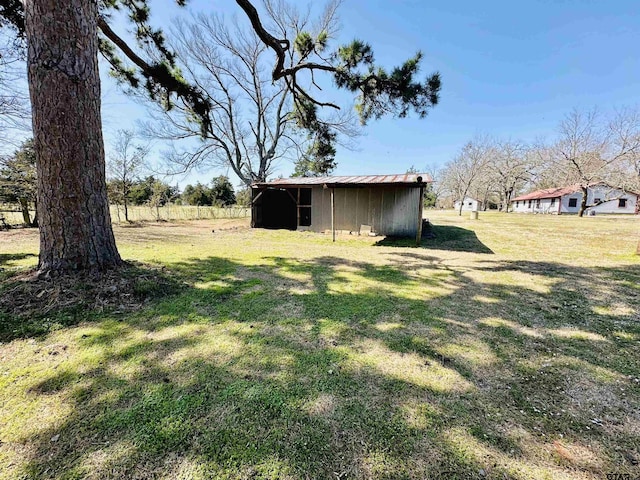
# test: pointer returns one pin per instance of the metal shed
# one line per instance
(385, 204)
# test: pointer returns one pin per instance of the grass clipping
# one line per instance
(125, 289)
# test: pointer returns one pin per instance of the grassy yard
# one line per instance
(506, 348)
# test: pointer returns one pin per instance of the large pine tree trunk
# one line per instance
(64, 84)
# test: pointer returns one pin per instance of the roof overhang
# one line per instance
(412, 180)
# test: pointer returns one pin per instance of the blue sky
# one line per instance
(509, 69)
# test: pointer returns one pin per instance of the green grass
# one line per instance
(506, 347)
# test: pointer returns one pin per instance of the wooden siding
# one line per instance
(389, 210)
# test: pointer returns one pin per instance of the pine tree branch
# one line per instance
(122, 45)
(278, 46)
(161, 75)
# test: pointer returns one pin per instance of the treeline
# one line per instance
(152, 191)
(588, 148)
(125, 185)
(155, 193)
(18, 188)
(145, 191)
(219, 194)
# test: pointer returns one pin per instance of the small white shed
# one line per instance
(468, 205)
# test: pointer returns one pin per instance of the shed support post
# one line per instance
(298, 210)
(333, 213)
(420, 204)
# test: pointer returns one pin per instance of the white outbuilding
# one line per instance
(468, 205)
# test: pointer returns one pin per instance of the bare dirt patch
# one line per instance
(18, 235)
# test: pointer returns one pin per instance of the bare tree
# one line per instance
(463, 173)
(511, 167)
(624, 130)
(253, 124)
(14, 95)
(484, 188)
(250, 127)
(124, 166)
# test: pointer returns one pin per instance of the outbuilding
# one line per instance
(468, 205)
(381, 204)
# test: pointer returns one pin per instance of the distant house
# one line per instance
(381, 204)
(604, 198)
(468, 204)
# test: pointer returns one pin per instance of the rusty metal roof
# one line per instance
(548, 193)
(355, 180)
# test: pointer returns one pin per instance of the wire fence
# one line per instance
(142, 213)
(11, 215)
(177, 212)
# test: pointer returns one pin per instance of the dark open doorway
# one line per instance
(276, 208)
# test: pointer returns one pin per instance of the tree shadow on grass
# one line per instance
(333, 368)
(6, 258)
(445, 238)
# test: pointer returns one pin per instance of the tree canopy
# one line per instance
(319, 159)
(352, 66)
(220, 193)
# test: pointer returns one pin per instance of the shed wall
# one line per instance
(388, 210)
